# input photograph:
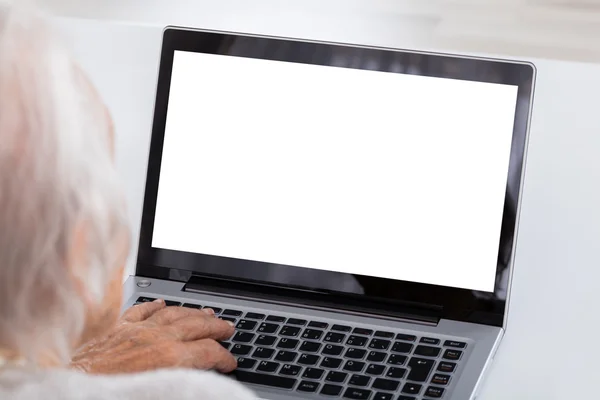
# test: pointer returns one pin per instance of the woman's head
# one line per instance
(63, 235)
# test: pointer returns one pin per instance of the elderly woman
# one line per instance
(63, 244)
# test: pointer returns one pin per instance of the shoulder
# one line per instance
(182, 384)
(176, 383)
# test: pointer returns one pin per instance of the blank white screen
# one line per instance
(381, 174)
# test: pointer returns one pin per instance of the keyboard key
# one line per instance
(226, 345)
(289, 331)
(276, 318)
(446, 367)
(395, 372)
(354, 366)
(290, 370)
(331, 390)
(296, 321)
(359, 380)
(312, 334)
(384, 334)
(332, 350)
(313, 373)
(452, 343)
(402, 347)
(386, 384)
(232, 313)
(429, 340)
(308, 386)
(396, 359)
(267, 328)
(411, 388)
(419, 369)
(240, 349)
(264, 379)
(452, 355)
(440, 379)
(405, 337)
(310, 347)
(145, 299)
(265, 340)
(230, 319)
(286, 343)
(172, 303)
(308, 359)
(434, 392)
(363, 331)
(336, 377)
(243, 337)
(331, 362)
(267, 366)
(374, 369)
(217, 310)
(246, 325)
(262, 352)
(358, 341)
(376, 356)
(355, 354)
(404, 397)
(427, 351)
(341, 328)
(379, 344)
(333, 337)
(317, 324)
(245, 363)
(252, 315)
(359, 394)
(383, 396)
(190, 305)
(286, 356)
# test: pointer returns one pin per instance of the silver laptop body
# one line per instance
(353, 210)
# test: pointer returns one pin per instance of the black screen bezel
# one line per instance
(452, 303)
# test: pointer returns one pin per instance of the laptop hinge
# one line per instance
(406, 311)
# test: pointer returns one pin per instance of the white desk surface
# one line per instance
(551, 347)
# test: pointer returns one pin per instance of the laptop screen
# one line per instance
(381, 174)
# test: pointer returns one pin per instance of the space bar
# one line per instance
(265, 380)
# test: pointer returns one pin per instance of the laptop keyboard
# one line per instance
(315, 357)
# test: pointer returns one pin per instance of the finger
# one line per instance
(168, 315)
(208, 354)
(204, 327)
(143, 311)
(208, 311)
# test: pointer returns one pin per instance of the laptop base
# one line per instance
(292, 352)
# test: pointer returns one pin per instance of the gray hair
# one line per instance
(57, 180)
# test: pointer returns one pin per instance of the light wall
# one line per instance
(561, 29)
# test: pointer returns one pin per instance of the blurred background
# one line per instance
(556, 29)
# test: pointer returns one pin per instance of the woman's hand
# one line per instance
(151, 336)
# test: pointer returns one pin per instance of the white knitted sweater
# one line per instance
(22, 384)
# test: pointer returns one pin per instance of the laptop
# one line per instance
(353, 210)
